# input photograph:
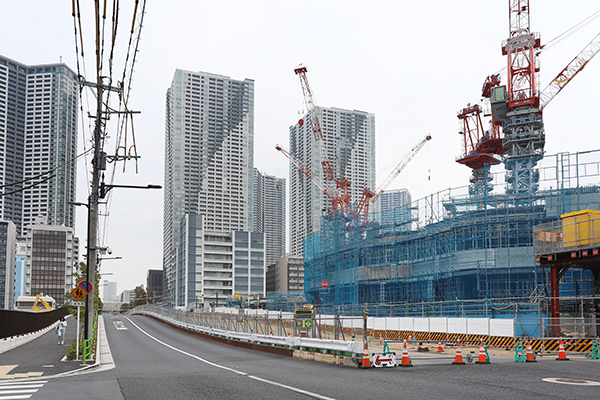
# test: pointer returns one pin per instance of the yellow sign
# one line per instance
(79, 293)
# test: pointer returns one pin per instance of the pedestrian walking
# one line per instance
(60, 329)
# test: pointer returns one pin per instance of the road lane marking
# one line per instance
(119, 325)
(570, 381)
(235, 371)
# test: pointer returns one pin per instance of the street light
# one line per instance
(104, 188)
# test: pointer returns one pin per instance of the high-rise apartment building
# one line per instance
(394, 209)
(349, 140)
(209, 159)
(38, 134)
(269, 213)
(393, 199)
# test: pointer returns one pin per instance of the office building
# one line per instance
(109, 294)
(286, 275)
(20, 268)
(38, 134)
(349, 140)
(214, 265)
(50, 260)
(269, 213)
(154, 280)
(8, 238)
(209, 159)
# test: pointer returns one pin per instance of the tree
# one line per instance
(140, 296)
(151, 295)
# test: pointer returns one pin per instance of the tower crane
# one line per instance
(517, 107)
(338, 189)
(568, 73)
(368, 197)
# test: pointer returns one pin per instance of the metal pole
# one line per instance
(77, 343)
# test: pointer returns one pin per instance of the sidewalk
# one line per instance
(43, 356)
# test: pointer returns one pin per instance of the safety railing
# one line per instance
(90, 344)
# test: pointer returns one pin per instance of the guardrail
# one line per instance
(331, 346)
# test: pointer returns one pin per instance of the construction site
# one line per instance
(474, 250)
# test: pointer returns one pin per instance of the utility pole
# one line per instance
(98, 163)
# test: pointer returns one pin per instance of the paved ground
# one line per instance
(40, 357)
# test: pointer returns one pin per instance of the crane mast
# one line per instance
(314, 122)
(336, 190)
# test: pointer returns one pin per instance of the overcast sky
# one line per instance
(412, 64)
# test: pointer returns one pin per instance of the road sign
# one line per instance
(324, 283)
(384, 360)
(304, 323)
(78, 303)
(79, 293)
(85, 285)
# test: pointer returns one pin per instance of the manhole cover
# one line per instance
(570, 381)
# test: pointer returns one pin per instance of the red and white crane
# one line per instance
(368, 197)
(336, 189)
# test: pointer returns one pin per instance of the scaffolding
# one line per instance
(452, 245)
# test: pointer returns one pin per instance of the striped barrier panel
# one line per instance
(502, 342)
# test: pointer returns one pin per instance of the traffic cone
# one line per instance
(482, 356)
(562, 356)
(458, 358)
(405, 358)
(366, 362)
(440, 347)
(529, 357)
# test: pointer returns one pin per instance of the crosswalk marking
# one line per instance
(17, 391)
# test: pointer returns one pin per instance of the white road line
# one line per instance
(13, 386)
(311, 394)
(18, 391)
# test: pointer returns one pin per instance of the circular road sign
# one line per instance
(324, 283)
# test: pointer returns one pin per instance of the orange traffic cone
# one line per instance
(458, 358)
(440, 347)
(366, 362)
(482, 356)
(529, 357)
(562, 356)
(405, 358)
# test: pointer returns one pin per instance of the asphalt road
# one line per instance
(156, 361)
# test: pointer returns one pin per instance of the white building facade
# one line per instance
(349, 138)
(209, 157)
